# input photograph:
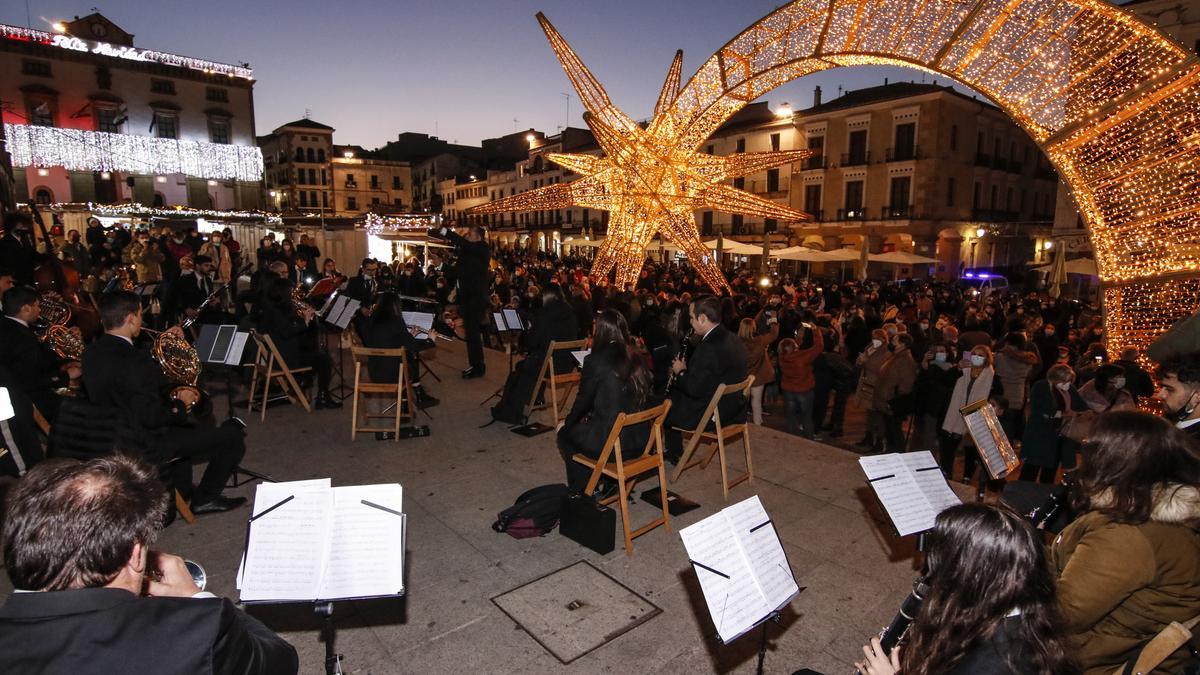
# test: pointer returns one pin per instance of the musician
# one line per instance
(386, 329)
(32, 363)
(364, 287)
(615, 379)
(93, 597)
(154, 421)
(1130, 564)
(329, 270)
(6, 282)
(718, 357)
(293, 329)
(1179, 389)
(194, 286)
(17, 253)
(471, 273)
(411, 281)
(302, 275)
(554, 322)
(990, 606)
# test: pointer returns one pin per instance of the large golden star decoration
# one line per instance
(651, 178)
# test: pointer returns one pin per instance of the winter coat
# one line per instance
(1039, 445)
(1120, 584)
(965, 393)
(221, 259)
(147, 262)
(869, 365)
(1013, 369)
(758, 363)
(896, 378)
(796, 368)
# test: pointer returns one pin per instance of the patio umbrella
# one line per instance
(902, 258)
(863, 259)
(735, 247)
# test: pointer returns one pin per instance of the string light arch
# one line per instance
(1113, 102)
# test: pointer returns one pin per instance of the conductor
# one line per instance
(471, 273)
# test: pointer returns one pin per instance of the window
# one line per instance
(36, 68)
(740, 182)
(950, 191)
(351, 203)
(107, 119)
(397, 186)
(773, 180)
(218, 130)
(706, 220)
(324, 177)
(898, 197)
(979, 144)
(312, 155)
(995, 194)
(975, 198)
(303, 199)
(216, 94)
(166, 125)
(159, 200)
(43, 196)
(812, 199)
(770, 225)
(906, 141)
(41, 111)
(1008, 200)
(858, 147)
(817, 159)
(854, 195)
(375, 201)
(953, 136)
(312, 177)
(325, 199)
(738, 223)
(158, 86)
(775, 142)
(321, 155)
(399, 204)
(741, 145)
(711, 149)
(374, 182)
(299, 154)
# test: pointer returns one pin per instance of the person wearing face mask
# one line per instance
(870, 362)
(1046, 343)
(1179, 390)
(935, 381)
(1052, 402)
(1106, 391)
(893, 393)
(147, 259)
(364, 287)
(216, 249)
(17, 254)
(974, 384)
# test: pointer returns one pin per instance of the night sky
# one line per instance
(461, 70)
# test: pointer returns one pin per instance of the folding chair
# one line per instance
(270, 365)
(627, 471)
(559, 384)
(1160, 647)
(718, 436)
(402, 388)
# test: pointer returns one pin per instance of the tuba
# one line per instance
(179, 362)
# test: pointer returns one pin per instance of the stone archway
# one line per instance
(1113, 103)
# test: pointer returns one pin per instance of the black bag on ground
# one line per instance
(534, 514)
(588, 523)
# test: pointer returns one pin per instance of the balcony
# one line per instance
(856, 158)
(994, 216)
(983, 159)
(817, 214)
(897, 212)
(815, 162)
(855, 213)
(903, 154)
(1015, 166)
(999, 163)
(1047, 173)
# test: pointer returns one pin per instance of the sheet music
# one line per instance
(911, 488)
(287, 546)
(498, 319)
(513, 320)
(349, 309)
(422, 320)
(994, 448)
(366, 547)
(759, 577)
(581, 355)
(234, 357)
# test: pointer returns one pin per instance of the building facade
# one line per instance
(90, 117)
(925, 169)
(362, 183)
(296, 167)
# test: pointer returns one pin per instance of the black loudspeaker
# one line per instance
(586, 522)
(129, 181)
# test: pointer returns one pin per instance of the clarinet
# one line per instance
(685, 350)
(890, 636)
(1045, 513)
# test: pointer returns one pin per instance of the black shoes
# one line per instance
(326, 400)
(217, 504)
(385, 435)
(424, 400)
(473, 372)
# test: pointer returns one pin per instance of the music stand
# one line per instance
(509, 327)
(338, 310)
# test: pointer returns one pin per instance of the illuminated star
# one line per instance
(651, 179)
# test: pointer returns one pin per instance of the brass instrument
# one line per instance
(298, 303)
(66, 342)
(54, 309)
(179, 362)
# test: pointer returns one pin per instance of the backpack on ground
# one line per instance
(534, 514)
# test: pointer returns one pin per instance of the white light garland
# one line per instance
(377, 224)
(21, 34)
(82, 150)
(136, 210)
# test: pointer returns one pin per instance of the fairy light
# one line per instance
(83, 150)
(136, 210)
(377, 224)
(1113, 103)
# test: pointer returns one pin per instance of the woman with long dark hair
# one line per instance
(386, 329)
(294, 335)
(615, 379)
(990, 608)
(1130, 564)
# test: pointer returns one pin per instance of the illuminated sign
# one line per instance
(122, 52)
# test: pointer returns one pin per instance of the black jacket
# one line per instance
(602, 396)
(286, 330)
(362, 289)
(471, 271)
(110, 630)
(991, 657)
(191, 290)
(129, 381)
(33, 364)
(719, 358)
(18, 257)
(389, 334)
(555, 321)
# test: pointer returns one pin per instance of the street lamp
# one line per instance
(59, 27)
(979, 232)
(784, 111)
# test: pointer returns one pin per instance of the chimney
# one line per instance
(817, 96)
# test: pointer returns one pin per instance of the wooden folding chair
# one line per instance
(269, 364)
(402, 388)
(1160, 647)
(558, 384)
(719, 435)
(627, 472)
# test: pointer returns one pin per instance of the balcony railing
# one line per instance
(856, 158)
(897, 212)
(1015, 166)
(1000, 163)
(994, 216)
(815, 162)
(903, 154)
(817, 214)
(983, 159)
(856, 213)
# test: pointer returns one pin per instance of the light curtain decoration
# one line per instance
(377, 224)
(1113, 102)
(82, 150)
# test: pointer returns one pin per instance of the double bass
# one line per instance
(52, 274)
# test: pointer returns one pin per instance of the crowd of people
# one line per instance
(909, 353)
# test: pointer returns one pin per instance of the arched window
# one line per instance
(299, 154)
(43, 196)
(312, 156)
(321, 156)
(159, 200)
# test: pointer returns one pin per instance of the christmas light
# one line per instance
(136, 210)
(82, 150)
(377, 224)
(1113, 103)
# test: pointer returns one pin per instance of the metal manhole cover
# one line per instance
(575, 610)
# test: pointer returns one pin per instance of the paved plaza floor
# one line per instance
(853, 571)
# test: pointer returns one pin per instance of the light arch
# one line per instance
(1113, 103)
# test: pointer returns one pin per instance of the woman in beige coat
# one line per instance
(758, 362)
(870, 363)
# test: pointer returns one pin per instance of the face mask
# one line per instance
(876, 343)
(939, 357)
(1182, 412)
(1049, 333)
(1118, 382)
(1063, 386)
(978, 360)
(924, 326)
(891, 331)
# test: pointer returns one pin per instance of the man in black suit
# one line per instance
(471, 274)
(718, 357)
(554, 321)
(17, 254)
(295, 336)
(38, 370)
(153, 420)
(364, 287)
(77, 542)
(1179, 390)
(193, 287)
